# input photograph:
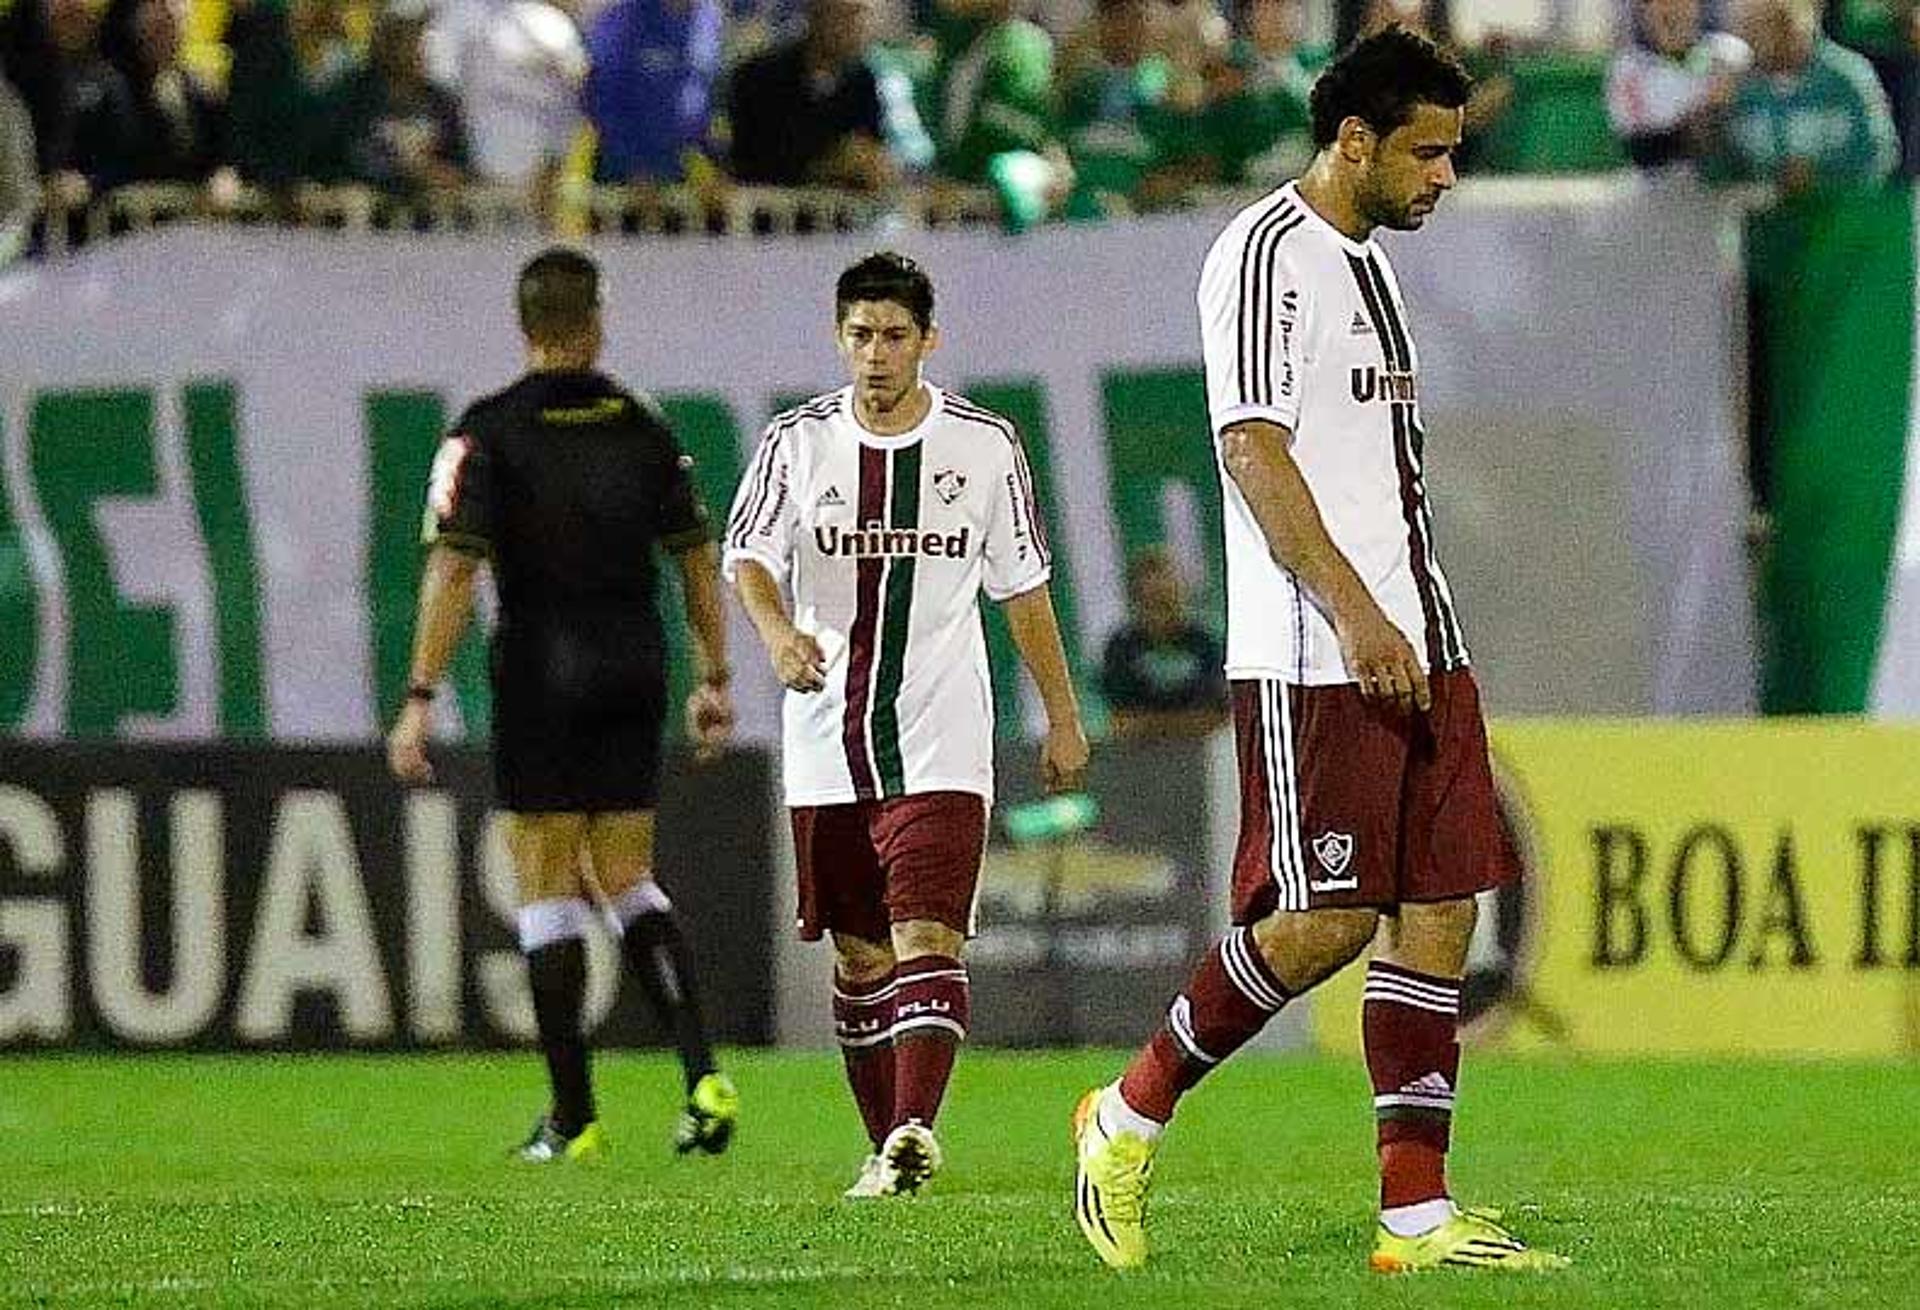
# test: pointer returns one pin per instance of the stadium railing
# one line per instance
(675, 210)
(730, 211)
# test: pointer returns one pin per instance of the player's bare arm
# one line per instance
(1036, 632)
(710, 705)
(446, 606)
(797, 659)
(1378, 655)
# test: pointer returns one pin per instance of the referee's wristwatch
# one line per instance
(421, 691)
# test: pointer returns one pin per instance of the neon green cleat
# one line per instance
(708, 1122)
(548, 1145)
(1471, 1239)
(1110, 1189)
(590, 1146)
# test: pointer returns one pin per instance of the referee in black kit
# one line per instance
(566, 483)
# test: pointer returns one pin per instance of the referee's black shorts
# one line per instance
(577, 726)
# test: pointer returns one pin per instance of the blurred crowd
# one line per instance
(1074, 108)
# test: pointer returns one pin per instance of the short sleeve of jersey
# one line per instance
(681, 515)
(459, 509)
(760, 526)
(1018, 557)
(1254, 309)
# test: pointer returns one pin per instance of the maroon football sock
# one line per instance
(1229, 998)
(863, 1023)
(931, 1008)
(1410, 1023)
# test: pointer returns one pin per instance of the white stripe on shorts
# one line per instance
(1289, 866)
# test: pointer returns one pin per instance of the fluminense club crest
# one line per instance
(1334, 850)
(948, 484)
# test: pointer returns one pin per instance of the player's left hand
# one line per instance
(407, 746)
(1063, 758)
(709, 719)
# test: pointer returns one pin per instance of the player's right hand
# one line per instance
(798, 661)
(709, 719)
(1063, 758)
(407, 746)
(1383, 663)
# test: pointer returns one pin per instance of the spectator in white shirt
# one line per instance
(1667, 86)
(517, 67)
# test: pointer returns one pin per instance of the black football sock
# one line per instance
(557, 974)
(657, 953)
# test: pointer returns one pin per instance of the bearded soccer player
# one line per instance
(886, 508)
(568, 484)
(1367, 803)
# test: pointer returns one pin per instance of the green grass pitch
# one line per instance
(323, 1182)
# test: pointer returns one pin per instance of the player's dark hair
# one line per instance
(1380, 78)
(886, 275)
(558, 294)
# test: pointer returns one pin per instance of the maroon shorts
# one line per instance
(867, 865)
(1345, 802)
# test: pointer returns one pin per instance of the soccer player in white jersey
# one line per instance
(1367, 802)
(886, 508)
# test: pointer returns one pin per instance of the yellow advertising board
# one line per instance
(1699, 887)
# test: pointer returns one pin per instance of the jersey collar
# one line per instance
(1292, 191)
(907, 438)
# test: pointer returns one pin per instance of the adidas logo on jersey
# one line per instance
(836, 542)
(1360, 327)
(830, 498)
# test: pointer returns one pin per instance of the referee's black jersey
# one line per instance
(568, 483)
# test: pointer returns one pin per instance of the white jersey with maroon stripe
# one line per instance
(886, 544)
(1305, 328)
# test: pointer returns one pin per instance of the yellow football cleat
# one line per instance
(707, 1124)
(548, 1145)
(590, 1146)
(1110, 1188)
(1471, 1239)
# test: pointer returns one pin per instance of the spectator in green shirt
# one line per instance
(994, 86)
(1809, 113)
(1258, 129)
(1887, 32)
(1131, 147)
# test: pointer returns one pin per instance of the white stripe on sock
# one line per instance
(549, 922)
(1415, 1000)
(1180, 1022)
(1237, 950)
(1115, 1116)
(644, 897)
(1420, 1217)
